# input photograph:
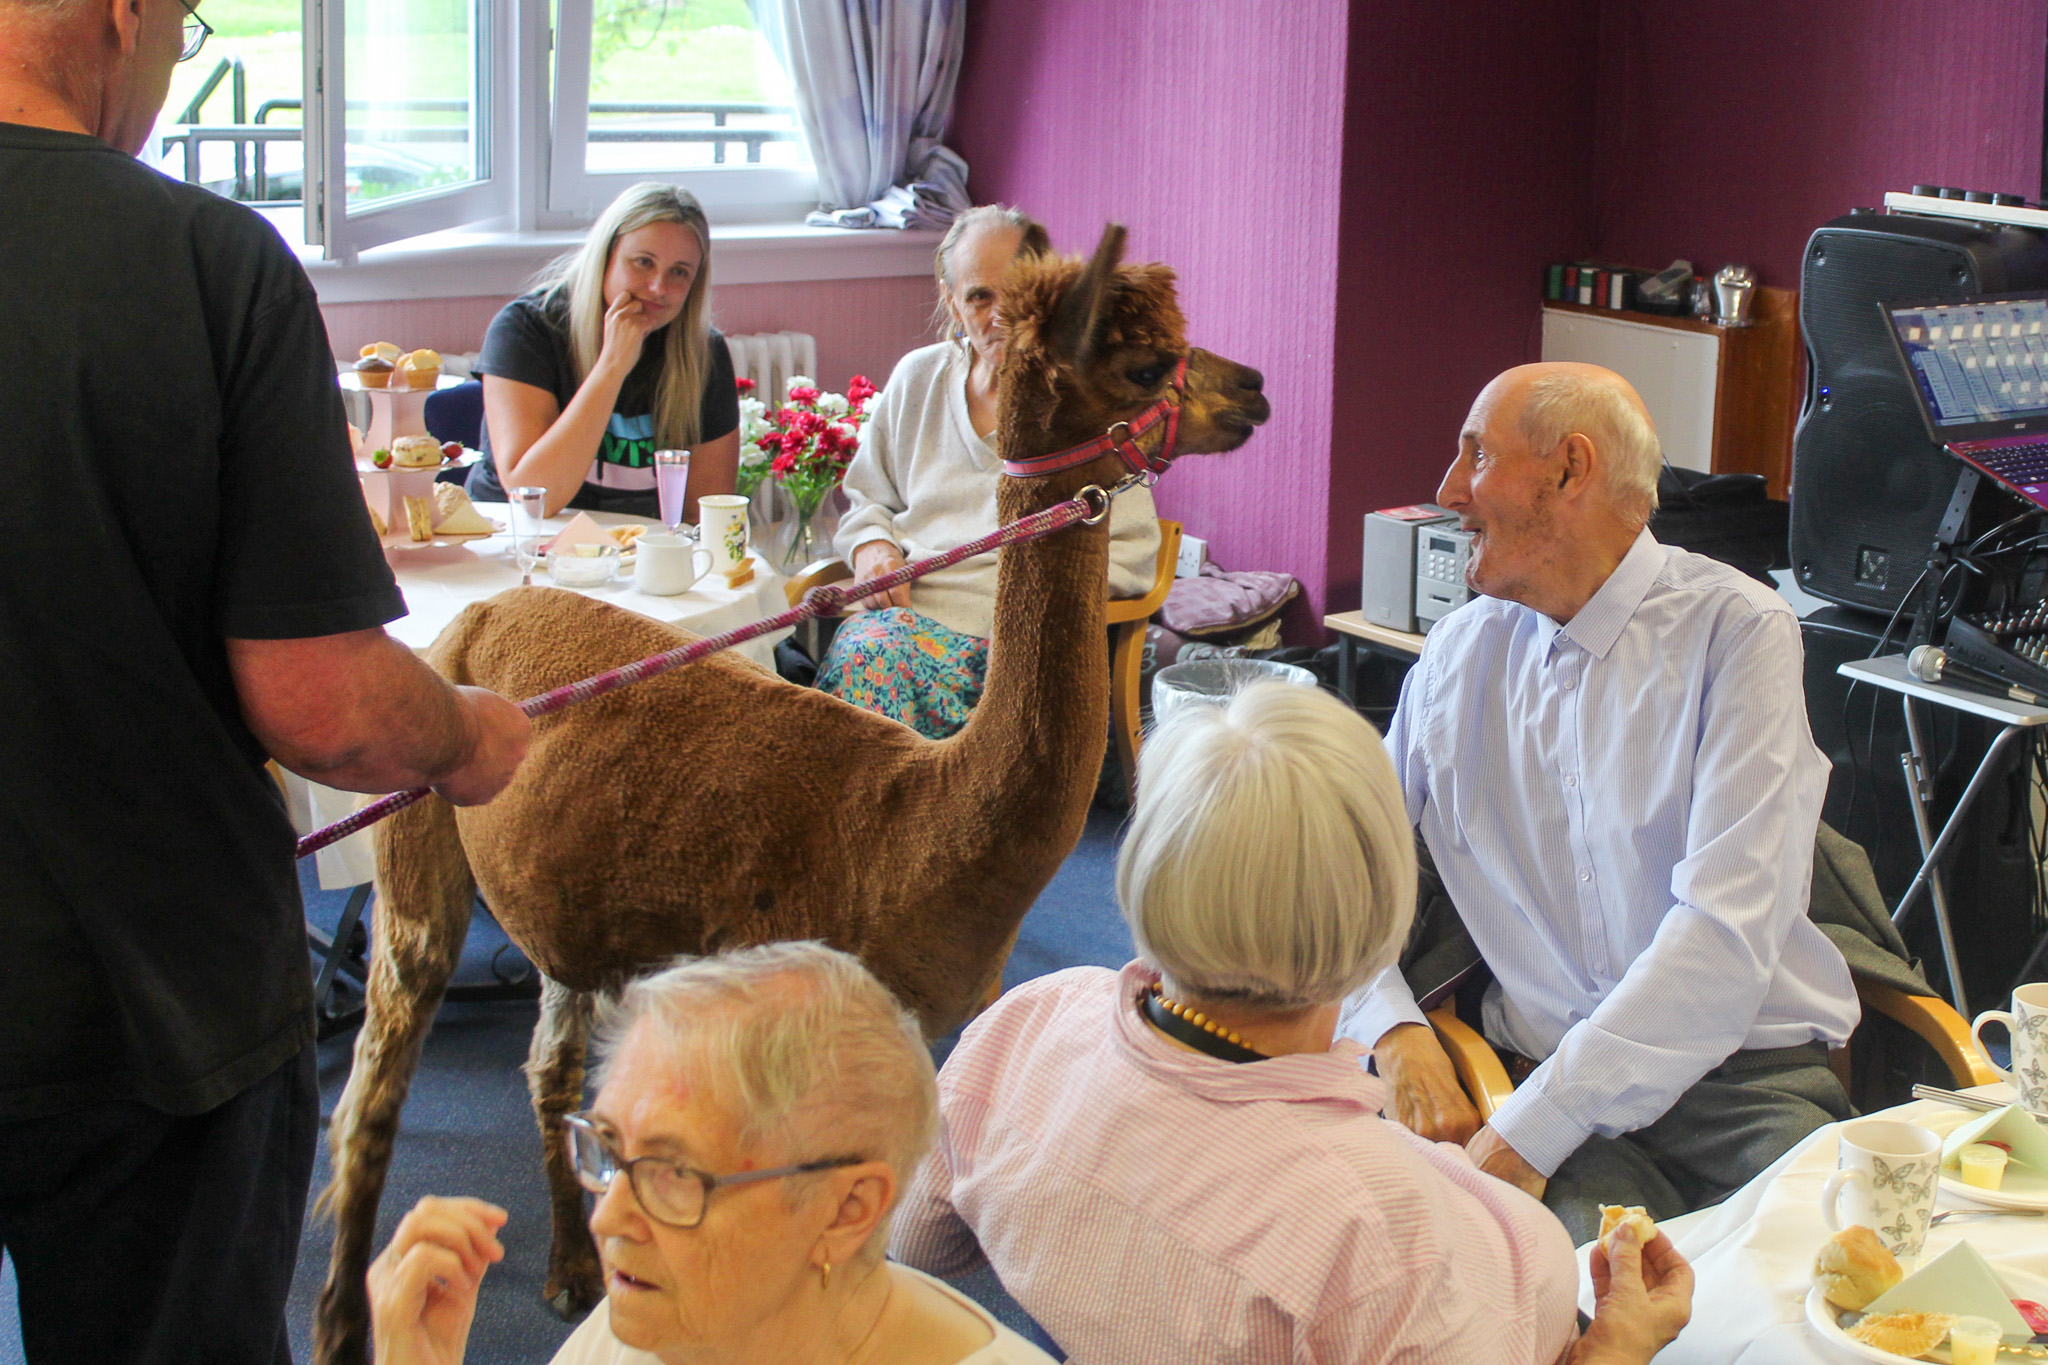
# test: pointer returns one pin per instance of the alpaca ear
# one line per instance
(1077, 325)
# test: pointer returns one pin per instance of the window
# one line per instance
(496, 113)
(673, 88)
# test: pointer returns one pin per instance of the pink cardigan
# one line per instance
(1144, 1202)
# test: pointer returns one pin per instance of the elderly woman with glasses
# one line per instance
(1176, 1162)
(755, 1116)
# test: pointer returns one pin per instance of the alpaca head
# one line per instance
(1091, 344)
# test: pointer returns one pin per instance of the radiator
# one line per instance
(772, 359)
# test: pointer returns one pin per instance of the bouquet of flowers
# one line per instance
(803, 447)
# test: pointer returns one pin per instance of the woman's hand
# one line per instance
(870, 562)
(1642, 1298)
(423, 1287)
(626, 325)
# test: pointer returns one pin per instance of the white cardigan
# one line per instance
(925, 482)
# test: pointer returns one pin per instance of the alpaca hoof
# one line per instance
(574, 1303)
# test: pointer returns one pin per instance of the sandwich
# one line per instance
(456, 515)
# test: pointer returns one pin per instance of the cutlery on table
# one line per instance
(1956, 1098)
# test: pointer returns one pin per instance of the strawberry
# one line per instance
(381, 459)
(451, 450)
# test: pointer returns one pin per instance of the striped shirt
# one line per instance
(1146, 1202)
(1623, 810)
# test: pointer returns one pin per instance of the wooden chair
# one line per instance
(1127, 617)
(1486, 1080)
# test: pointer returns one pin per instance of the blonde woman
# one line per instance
(1181, 1162)
(609, 359)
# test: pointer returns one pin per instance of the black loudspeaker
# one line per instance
(1868, 486)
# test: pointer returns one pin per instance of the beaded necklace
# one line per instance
(1194, 1028)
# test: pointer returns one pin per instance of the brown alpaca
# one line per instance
(717, 805)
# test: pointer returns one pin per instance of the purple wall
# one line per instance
(1360, 196)
(1815, 108)
(1212, 131)
(1466, 171)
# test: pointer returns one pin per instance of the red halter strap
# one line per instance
(1166, 410)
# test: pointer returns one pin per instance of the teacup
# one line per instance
(2028, 1023)
(722, 525)
(1887, 1179)
(667, 564)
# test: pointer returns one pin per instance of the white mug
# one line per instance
(2028, 1023)
(667, 564)
(1888, 1174)
(722, 526)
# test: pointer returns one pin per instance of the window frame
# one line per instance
(531, 147)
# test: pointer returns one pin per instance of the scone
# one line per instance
(456, 515)
(416, 452)
(1852, 1268)
(1636, 1216)
(1904, 1334)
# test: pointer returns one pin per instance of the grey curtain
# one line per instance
(874, 82)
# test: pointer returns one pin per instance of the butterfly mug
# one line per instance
(2028, 1022)
(1886, 1182)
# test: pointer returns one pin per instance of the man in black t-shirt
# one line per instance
(190, 584)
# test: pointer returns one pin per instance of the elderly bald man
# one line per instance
(1607, 754)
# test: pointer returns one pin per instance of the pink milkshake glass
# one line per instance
(671, 478)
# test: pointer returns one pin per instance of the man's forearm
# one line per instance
(360, 711)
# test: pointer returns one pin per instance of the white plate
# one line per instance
(1821, 1317)
(2021, 1191)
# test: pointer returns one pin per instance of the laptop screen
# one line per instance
(1985, 360)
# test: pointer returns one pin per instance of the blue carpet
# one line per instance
(468, 1128)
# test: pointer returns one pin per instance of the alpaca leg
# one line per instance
(554, 1077)
(422, 917)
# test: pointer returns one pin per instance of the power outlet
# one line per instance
(1193, 550)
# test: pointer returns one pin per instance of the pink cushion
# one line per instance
(1219, 603)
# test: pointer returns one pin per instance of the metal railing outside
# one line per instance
(252, 138)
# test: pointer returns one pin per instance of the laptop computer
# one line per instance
(1978, 368)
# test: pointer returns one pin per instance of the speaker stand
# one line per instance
(1941, 556)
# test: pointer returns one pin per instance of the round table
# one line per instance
(1752, 1254)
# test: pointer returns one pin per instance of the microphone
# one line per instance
(1931, 664)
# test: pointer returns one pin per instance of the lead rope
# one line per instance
(1088, 507)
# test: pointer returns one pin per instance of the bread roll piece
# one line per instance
(1852, 1268)
(1636, 1216)
(1904, 1334)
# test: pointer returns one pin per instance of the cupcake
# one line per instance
(418, 370)
(374, 372)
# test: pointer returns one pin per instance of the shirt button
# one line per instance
(1571, 781)
(1569, 684)
(1585, 874)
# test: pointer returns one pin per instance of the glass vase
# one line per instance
(810, 531)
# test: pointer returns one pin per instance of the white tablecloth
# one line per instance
(1753, 1255)
(438, 583)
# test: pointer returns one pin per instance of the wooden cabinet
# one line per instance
(1724, 398)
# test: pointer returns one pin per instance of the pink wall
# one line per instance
(862, 326)
(1812, 109)
(1213, 131)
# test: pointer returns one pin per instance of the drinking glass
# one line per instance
(529, 510)
(671, 478)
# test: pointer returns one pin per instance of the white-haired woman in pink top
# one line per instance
(1176, 1162)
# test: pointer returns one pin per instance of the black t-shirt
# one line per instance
(177, 472)
(529, 341)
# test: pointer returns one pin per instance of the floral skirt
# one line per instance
(906, 667)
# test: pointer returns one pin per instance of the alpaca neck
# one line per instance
(1043, 718)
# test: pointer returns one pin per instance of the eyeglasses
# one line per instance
(669, 1192)
(197, 31)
